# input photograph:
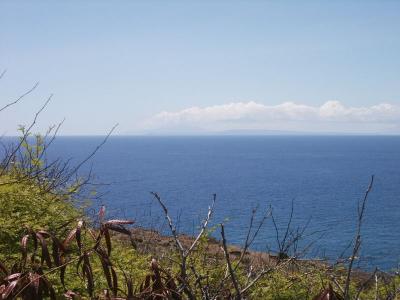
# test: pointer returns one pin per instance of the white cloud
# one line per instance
(331, 116)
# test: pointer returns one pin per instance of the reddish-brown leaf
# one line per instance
(146, 283)
(69, 238)
(80, 260)
(328, 294)
(119, 222)
(102, 212)
(78, 238)
(91, 232)
(71, 295)
(56, 254)
(106, 271)
(12, 277)
(45, 250)
(119, 228)
(115, 282)
(24, 248)
(57, 242)
(35, 246)
(45, 233)
(9, 289)
(108, 240)
(62, 275)
(129, 285)
(88, 273)
(98, 240)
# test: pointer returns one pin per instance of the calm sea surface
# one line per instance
(325, 176)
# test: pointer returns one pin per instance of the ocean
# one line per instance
(324, 177)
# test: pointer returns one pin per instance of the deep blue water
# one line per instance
(325, 175)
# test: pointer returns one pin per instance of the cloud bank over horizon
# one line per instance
(331, 116)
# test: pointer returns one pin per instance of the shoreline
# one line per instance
(152, 242)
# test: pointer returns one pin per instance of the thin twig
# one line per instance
(20, 97)
(170, 224)
(228, 262)
(249, 241)
(357, 240)
(204, 225)
(95, 150)
(26, 133)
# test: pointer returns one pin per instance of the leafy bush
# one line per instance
(30, 196)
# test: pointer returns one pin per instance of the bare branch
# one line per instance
(228, 262)
(95, 150)
(204, 225)
(25, 135)
(257, 278)
(249, 240)
(170, 224)
(357, 240)
(20, 97)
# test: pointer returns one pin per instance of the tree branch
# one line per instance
(20, 97)
(228, 262)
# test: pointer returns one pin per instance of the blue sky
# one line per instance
(194, 67)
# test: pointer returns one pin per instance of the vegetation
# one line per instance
(49, 248)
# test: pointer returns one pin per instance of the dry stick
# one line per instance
(228, 261)
(278, 241)
(269, 270)
(249, 241)
(170, 224)
(357, 241)
(341, 257)
(95, 150)
(337, 284)
(20, 97)
(204, 225)
(53, 136)
(283, 245)
(185, 253)
(288, 226)
(264, 272)
(295, 238)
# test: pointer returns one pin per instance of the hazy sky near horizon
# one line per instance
(191, 67)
